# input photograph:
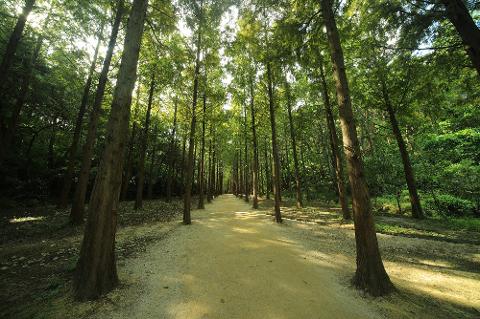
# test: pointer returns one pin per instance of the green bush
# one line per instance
(450, 205)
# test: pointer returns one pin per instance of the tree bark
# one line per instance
(143, 150)
(151, 179)
(334, 145)
(276, 159)
(417, 211)
(201, 175)
(171, 159)
(96, 271)
(298, 186)
(11, 49)
(72, 152)
(209, 175)
(78, 205)
(370, 274)
(187, 200)
(268, 180)
(463, 22)
(255, 165)
(246, 171)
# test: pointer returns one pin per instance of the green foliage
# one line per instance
(448, 205)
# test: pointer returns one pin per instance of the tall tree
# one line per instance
(78, 205)
(298, 186)
(370, 274)
(170, 155)
(187, 200)
(334, 144)
(469, 32)
(255, 166)
(144, 145)
(407, 166)
(96, 271)
(276, 157)
(201, 175)
(72, 151)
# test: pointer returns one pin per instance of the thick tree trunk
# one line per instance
(407, 166)
(334, 145)
(298, 186)
(143, 150)
(187, 199)
(370, 274)
(276, 158)
(78, 205)
(96, 271)
(255, 165)
(72, 152)
(171, 159)
(463, 22)
(201, 175)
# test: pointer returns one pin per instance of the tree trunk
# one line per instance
(246, 171)
(187, 200)
(463, 22)
(370, 274)
(407, 166)
(268, 179)
(11, 49)
(334, 145)
(255, 145)
(96, 272)
(72, 152)
(276, 159)
(201, 175)
(78, 205)
(143, 150)
(151, 180)
(171, 159)
(294, 146)
(209, 175)
(12, 124)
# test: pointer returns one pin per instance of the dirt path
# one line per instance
(235, 263)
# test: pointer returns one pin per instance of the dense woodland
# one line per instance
(369, 105)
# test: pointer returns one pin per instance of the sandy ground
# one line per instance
(233, 262)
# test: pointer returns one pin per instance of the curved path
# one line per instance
(233, 262)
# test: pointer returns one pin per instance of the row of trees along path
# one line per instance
(258, 66)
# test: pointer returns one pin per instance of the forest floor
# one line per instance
(235, 262)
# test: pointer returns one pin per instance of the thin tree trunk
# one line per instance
(72, 152)
(255, 145)
(187, 200)
(209, 175)
(151, 180)
(463, 22)
(276, 159)
(334, 144)
(11, 129)
(143, 150)
(267, 172)
(407, 166)
(171, 159)
(96, 272)
(247, 186)
(78, 205)
(201, 175)
(370, 274)
(11, 48)
(294, 146)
